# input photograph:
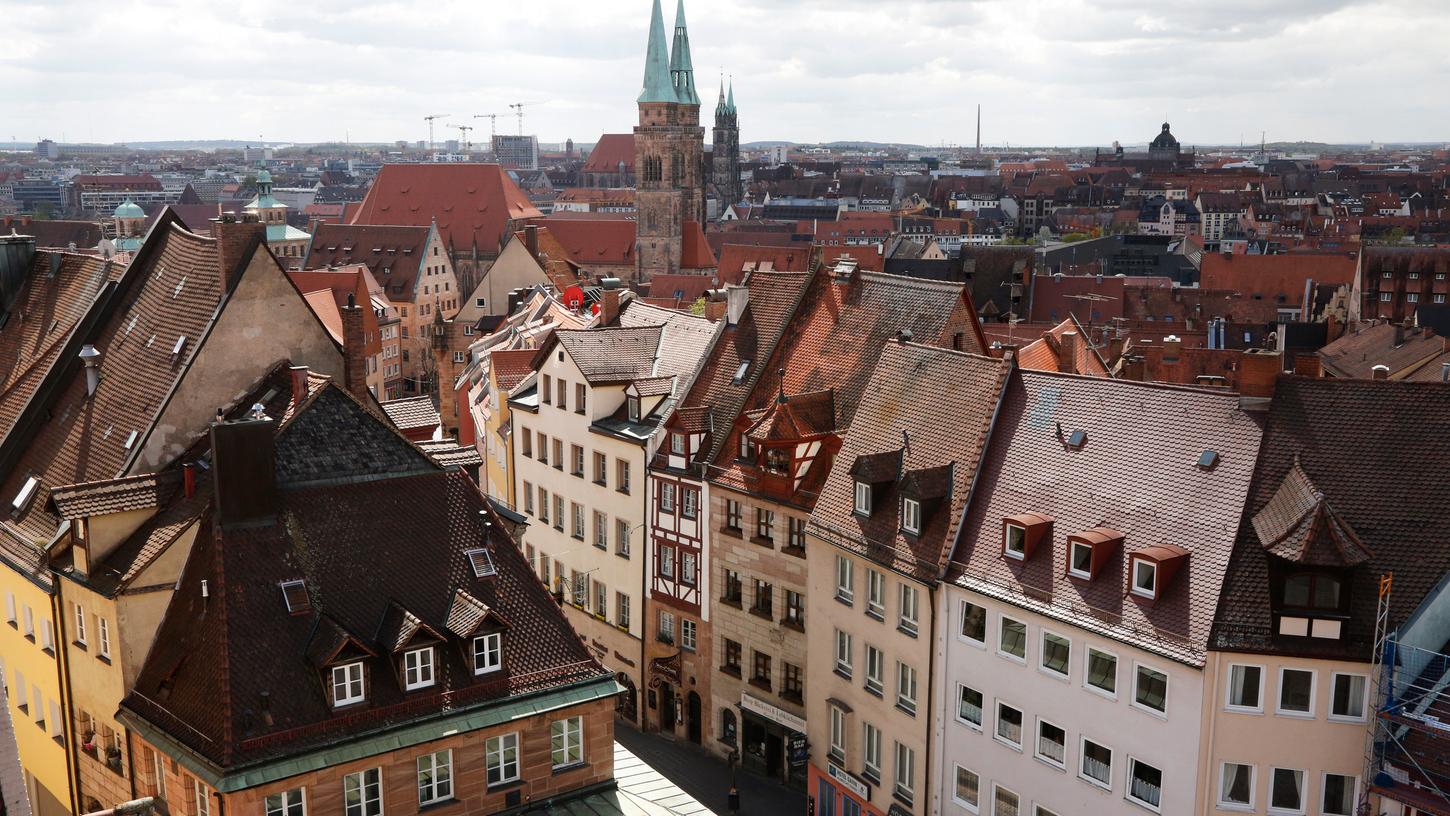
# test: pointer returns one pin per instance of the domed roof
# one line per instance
(1165, 140)
(263, 177)
(129, 209)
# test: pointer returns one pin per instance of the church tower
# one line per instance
(669, 148)
(725, 150)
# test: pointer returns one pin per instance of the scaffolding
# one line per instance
(1407, 766)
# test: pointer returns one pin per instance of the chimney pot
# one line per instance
(91, 359)
(1380, 372)
(188, 479)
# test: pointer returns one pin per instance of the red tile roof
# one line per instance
(594, 241)
(512, 366)
(326, 291)
(1402, 350)
(1045, 353)
(394, 255)
(694, 249)
(738, 259)
(472, 204)
(609, 151)
(1271, 277)
(1136, 473)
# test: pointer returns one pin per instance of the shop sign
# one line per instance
(774, 713)
(848, 781)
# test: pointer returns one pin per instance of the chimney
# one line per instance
(736, 299)
(1380, 372)
(531, 240)
(1115, 347)
(354, 350)
(299, 383)
(188, 479)
(1399, 335)
(91, 359)
(1259, 370)
(1133, 368)
(446, 375)
(16, 252)
(1172, 348)
(1308, 365)
(236, 240)
(244, 470)
(1067, 352)
(715, 305)
(609, 301)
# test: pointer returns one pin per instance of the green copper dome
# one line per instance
(129, 209)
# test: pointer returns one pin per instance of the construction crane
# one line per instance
(519, 109)
(463, 133)
(492, 123)
(430, 119)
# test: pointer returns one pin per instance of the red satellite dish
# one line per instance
(574, 297)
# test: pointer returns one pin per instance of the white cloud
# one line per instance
(1048, 72)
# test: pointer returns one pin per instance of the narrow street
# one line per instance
(707, 779)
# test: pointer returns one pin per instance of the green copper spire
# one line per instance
(682, 69)
(720, 106)
(730, 103)
(657, 84)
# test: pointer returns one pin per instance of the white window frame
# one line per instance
(997, 724)
(1363, 698)
(1223, 804)
(871, 751)
(1228, 703)
(369, 792)
(1313, 694)
(103, 630)
(1002, 621)
(1082, 757)
(286, 801)
(1137, 588)
(997, 790)
(1066, 673)
(490, 659)
(981, 707)
(1019, 555)
(837, 747)
(1087, 672)
(1138, 668)
(906, 687)
(80, 634)
(419, 662)
(1072, 547)
(566, 736)
(909, 613)
(1128, 785)
(875, 682)
(495, 751)
(689, 635)
(201, 797)
(904, 789)
(439, 786)
(1303, 792)
(862, 504)
(346, 671)
(911, 516)
(1324, 791)
(1037, 745)
(845, 580)
(843, 664)
(971, 807)
(962, 609)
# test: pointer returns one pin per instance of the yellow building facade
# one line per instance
(30, 664)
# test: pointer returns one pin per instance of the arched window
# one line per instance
(677, 169)
(653, 168)
(727, 726)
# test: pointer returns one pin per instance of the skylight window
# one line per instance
(482, 562)
(1076, 439)
(131, 439)
(176, 349)
(1208, 459)
(27, 492)
(294, 594)
(175, 293)
(740, 373)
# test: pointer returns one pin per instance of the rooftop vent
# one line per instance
(482, 562)
(1074, 439)
(294, 594)
(1208, 459)
(91, 359)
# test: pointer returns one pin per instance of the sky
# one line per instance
(1046, 72)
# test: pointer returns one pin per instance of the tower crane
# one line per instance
(519, 109)
(463, 133)
(492, 123)
(430, 119)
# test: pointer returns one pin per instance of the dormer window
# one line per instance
(777, 460)
(418, 668)
(910, 516)
(677, 444)
(1022, 533)
(1014, 541)
(1090, 550)
(1312, 591)
(863, 499)
(488, 653)
(1145, 578)
(747, 448)
(347, 684)
(632, 406)
(1079, 559)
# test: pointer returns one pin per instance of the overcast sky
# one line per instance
(1056, 72)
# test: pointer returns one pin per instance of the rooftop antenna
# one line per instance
(979, 129)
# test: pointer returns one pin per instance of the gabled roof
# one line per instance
(1402, 350)
(1371, 484)
(609, 151)
(900, 421)
(611, 354)
(694, 249)
(1137, 473)
(394, 255)
(1045, 353)
(512, 366)
(411, 413)
(592, 242)
(736, 260)
(685, 341)
(471, 203)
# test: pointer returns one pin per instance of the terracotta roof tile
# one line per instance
(473, 204)
(1402, 350)
(512, 366)
(590, 242)
(411, 413)
(609, 151)
(394, 255)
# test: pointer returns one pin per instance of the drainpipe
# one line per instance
(1206, 763)
(62, 660)
(932, 786)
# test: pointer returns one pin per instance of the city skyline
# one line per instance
(1058, 73)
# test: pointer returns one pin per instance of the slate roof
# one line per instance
(612, 354)
(907, 388)
(472, 204)
(340, 531)
(409, 413)
(1136, 473)
(1354, 441)
(1359, 350)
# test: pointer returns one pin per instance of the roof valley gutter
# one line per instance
(945, 564)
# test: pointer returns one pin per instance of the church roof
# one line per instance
(1164, 140)
(682, 68)
(657, 84)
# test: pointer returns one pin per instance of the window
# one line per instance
(875, 670)
(1386, 297)
(689, 502)
(601, 600)
(760, 669)
(1296, 692)
(732, 515)
(795, 533)
(502, 758)
(1014, 542)
(621, 610)
(1338, 798)
(1080, 559)
(558, 512)
(1005, 802)
(863, 499)
(80, 624)
(1051, 744)
(418, 668)
(487, 653)
(601, 469)
(566, 742)
(1012, 639)
(47, 635)
(1150, 689)
(579, 398)
(286, 803)
(875, 594)
(795, 609)
(576, 454)
(528, 499)
(347, 684)
(103, 629)
(838, 734)
(1286, 791)
(435, 777)
(1145, 783)
(733, 588)
(688, 634)
(621, 479)
(905, 773)
(1009, 724)
(667, 627)
(909, 610)
(201, 797)
(158, 764)
(667, 498)
(1097, 763)
(1056, 654)
(974, 623)
(1145, 578)
(969, 706)
(10, 607)
(563, 390)
(1245, 688)
(667, 561)
(843, 654)
(871, 747)
(543, 505)
(1236, 786)
(362, 793)
(577, 517)
(792, 687)
(845, 580)
(1347, 697)
(727, 726)
(910, 516)
(765, 524)
(906, 688)
(732, 657)
(764, 598)
(966, 790)
(546, 394)
(601, 530)
(631, 403)
(621, 537)
(1412, 297)
(747, 448)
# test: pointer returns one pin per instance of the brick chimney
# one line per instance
(1258, 372)
(1308, 365)
(244, 470)
(299, 383)
(445, 374)
(236, 239)
(715, 305)
(354, 350)
(1067, 353)
(531, 240)
(1133, 368)
(609, 301)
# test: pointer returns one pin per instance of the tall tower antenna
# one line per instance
(979, 128)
